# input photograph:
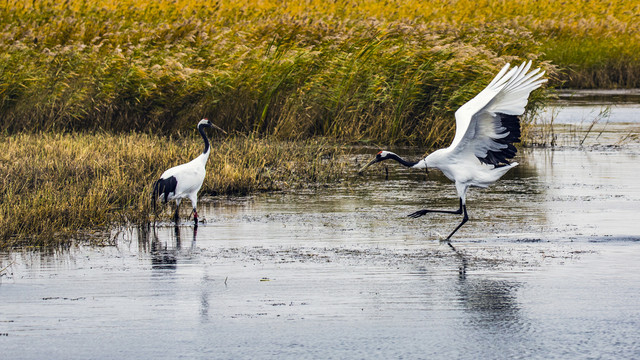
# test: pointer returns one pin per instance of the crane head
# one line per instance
(380, 156)
(206, 123)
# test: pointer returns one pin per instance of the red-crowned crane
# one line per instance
(184, 181)
(486, 128)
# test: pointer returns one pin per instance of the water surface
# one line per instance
(584, 106)
(547, 267)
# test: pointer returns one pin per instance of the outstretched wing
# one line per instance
(488, 124)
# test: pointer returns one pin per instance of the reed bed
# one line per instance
(55, 186)
(356, 71)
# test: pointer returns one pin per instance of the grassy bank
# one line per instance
(52, 186)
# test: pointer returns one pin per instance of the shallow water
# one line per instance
(582, 107)
(547, 267)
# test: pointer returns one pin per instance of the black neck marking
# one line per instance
(401, 160)
(204, 137)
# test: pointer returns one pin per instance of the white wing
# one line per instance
(189, 177)
(487, 125)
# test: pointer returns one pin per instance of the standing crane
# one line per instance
(184, 181)
(486, 128)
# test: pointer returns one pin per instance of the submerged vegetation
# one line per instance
(92, 92)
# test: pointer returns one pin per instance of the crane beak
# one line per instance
(218, 128)
(366, 166)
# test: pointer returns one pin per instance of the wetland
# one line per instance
(299, 257)
(547, 267)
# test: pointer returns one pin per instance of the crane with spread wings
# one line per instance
(487, 126)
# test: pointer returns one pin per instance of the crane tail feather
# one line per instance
(163, 187)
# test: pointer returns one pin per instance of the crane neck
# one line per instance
(402, 161)
(206, 140)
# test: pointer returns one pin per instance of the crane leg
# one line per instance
(194, 204)
(195, 216)
(462, 210)
(175, 215)
(464, 220)
(420, 213)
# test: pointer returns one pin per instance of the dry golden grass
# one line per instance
(54, 186)
(357, 71)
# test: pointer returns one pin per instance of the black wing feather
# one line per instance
(511, 124)
(164, 187)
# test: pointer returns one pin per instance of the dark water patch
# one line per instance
(599, 97)
(615, 239)
(529, 240)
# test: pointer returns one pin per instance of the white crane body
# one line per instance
(184, 181)
(189, 178)
(486, 128)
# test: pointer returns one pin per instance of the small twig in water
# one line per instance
(606, 112)
(5, 268)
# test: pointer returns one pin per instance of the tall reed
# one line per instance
(365, 71)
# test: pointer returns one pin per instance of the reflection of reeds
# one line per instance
(57, 184)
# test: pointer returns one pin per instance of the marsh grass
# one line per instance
(356, 71)
(57, 186)
(366, 71)
(542, 131)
